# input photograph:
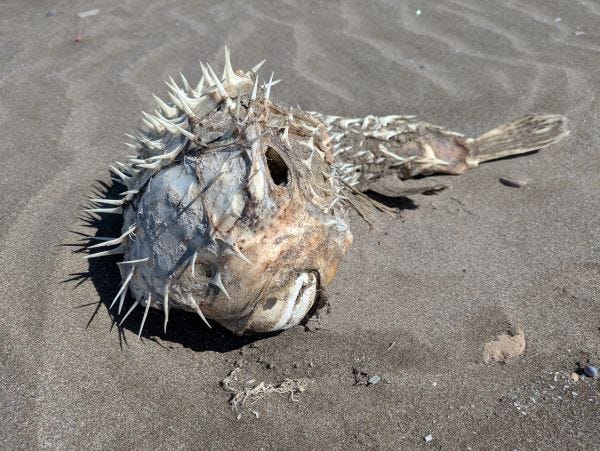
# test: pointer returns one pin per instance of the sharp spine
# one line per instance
(145, 315)
(232, 249)
(116, 210)
(255, 69)
(172, 84)
(108, 201)
(118, 173)
(200, 86)
(169, 111)
(268, 90)
(123, 288)
(176, 101)
(206, 75)
(118, 240)
(230, 76)
(139, 260)
(156, 125)
(131, 191)
(254, 89)
(151, 166)
(220, 86)
(185, 104)
(135, 147)
(117, 250)
(200, 313)
(135, 304)
(166, 305)
(193, 263)
(217, 282)
(185, 132)
(186, 85)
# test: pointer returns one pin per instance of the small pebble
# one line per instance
(558, 19)
(51, 13)
(418, 12)
(513, 183)
(374, 380)
(428, 438)
(78, 38)
(579, 33)
(574, 377)
(590, 371)
(91, 12)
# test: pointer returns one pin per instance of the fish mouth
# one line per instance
(288, 308)
(299, 301)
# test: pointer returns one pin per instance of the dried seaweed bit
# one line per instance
(245, 395)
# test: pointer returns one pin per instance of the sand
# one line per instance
(415, 300)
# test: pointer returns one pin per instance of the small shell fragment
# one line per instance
(513, 183)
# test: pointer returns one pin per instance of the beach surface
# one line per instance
(416, 299)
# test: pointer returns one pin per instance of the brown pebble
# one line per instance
(79, 37)
(513, 183)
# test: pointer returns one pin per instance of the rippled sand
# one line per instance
(455, 271)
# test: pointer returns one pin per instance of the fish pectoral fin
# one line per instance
(392, 186)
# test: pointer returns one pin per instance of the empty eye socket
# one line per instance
(277, 167)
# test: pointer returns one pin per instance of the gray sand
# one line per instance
(454, 272)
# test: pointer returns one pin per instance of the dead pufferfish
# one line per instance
(235, 204)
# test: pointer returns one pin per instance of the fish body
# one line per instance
(234, 204)
(372, 148)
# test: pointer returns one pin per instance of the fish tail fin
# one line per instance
(531, 132)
